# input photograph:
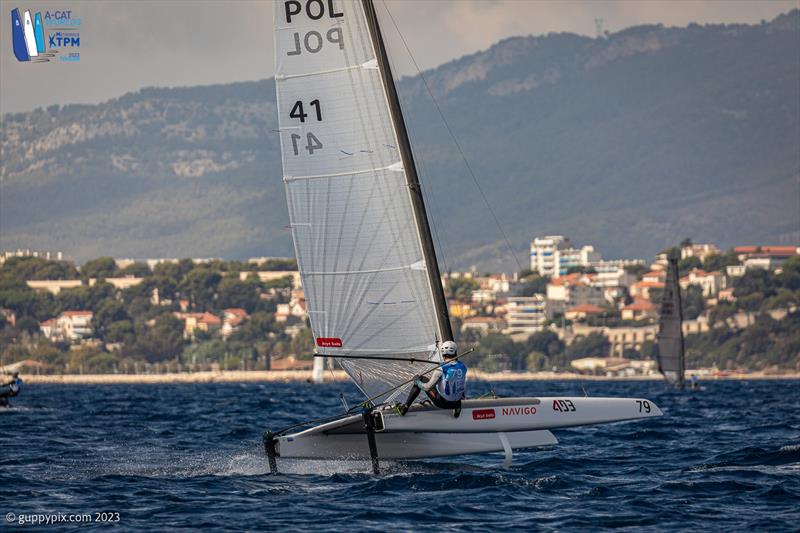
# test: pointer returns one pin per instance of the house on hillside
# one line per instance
(461, 309)
(295, 308)
(48, 329)
(76, 325)
(231, 320)
(639, 310)
(777, 253)
(571, 290)
(53, 286)
(121, 283)
(710, 282)
(581, 312)
(69, 326)
(193, 322)
(272, 275)
(641, 289)
(483, 324)
(700, 251)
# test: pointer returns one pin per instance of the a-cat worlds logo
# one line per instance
(38, 38)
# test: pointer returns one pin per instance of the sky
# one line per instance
(129, 44)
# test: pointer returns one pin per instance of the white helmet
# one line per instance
(449, 348)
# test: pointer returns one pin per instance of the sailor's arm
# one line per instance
(433, 379)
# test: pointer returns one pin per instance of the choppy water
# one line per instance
(189, 456)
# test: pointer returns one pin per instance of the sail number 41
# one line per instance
(312, 143)
(297, 110)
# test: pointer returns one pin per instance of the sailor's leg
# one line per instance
(441, 403)
(437, 400)
(411, 397)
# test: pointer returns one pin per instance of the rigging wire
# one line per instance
(427, 193)
(453, 137)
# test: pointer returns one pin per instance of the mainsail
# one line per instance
(669, 342)
(369, 274)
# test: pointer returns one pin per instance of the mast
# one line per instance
(412, 179)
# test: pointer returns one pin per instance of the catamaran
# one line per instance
(669, 348)
(367, 260)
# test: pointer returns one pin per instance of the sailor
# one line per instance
(10, 389)
(446, 386)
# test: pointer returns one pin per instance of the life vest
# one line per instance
(453, 383)
(15, 385)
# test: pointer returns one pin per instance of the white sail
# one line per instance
(30, 35)
(356, 239)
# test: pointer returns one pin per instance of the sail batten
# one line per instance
(393, 166)
(355, 230)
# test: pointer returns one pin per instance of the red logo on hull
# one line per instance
(482, 414)
(329, 342)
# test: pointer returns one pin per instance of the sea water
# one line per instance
(169, 457)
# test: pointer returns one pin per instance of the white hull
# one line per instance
(407, 445)
(482, 427)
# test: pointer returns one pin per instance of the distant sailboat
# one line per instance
(18, 37)
(318, 370)
(669, 349)
(367, 259)
(30, 35)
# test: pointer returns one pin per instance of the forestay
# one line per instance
(355, 235)
(669, 342)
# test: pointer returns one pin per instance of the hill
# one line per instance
(630, 142)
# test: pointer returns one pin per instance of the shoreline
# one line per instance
(294, 376)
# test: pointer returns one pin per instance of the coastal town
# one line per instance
(571, 311)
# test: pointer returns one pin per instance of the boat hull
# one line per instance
(407, 445)
(482, 426)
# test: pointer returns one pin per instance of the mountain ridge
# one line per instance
(630, 143)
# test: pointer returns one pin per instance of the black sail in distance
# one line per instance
(669, 342)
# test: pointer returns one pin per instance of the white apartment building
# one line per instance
(614, 265)
(76, 325)
(553, 255)
(526, 314)
(69, 326)
(19, 252)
